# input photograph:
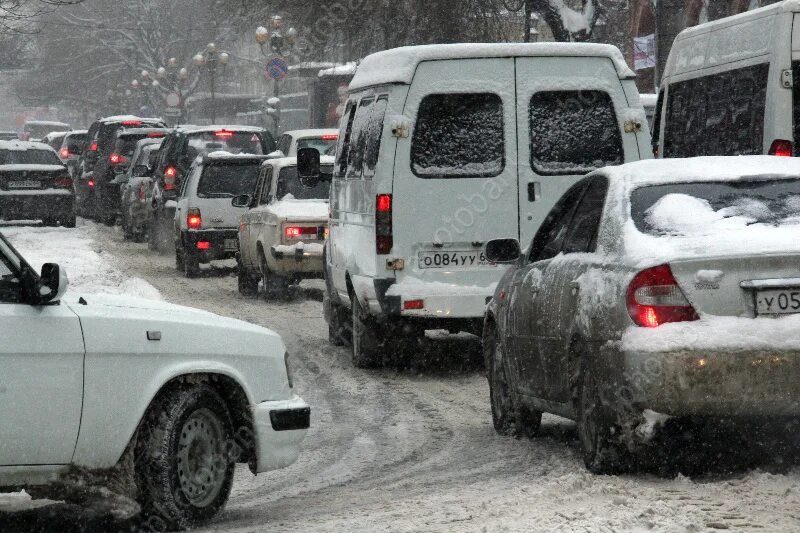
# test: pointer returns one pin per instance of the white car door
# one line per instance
(41, 375)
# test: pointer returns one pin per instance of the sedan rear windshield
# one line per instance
(227, 181)
(322, 145)
(29, 157)
(684, 209)
(289, 186)
(127, 145)
(243, 142)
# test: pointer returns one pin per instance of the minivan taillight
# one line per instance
(117, 159)
(193, 219)
(781, 148)
(383, 224)
(170, 178)
(654, 298)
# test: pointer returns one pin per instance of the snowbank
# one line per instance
(89, 268)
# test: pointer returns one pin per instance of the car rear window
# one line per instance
(228, 180)
(240, 142)
(75, 143)
(684, 209)
(573, 132)
(29, 157)
(289, 185)
(127, 145)
(318, 143)
(459, 136)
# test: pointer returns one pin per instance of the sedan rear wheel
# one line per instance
(183, 465)
(248, 283)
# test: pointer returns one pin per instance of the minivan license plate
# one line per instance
(25, 184)
(452, 259)
(778, 301)
(231, 245)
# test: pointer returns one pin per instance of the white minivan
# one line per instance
(443, 148)
(730, 87)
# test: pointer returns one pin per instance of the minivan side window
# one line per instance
(550, 237)
(582, 234)
(573, 132)
(266, 186)
(344, 139)
(459, 136)
(376, 121)
(720, 114)
(358, 138)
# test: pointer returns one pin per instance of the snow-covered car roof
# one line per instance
(219, 127)
(77, 132)
(283, 162)
(318, 132)
(24, 145)
(46, 123)
(732, 168)
(221, 155)
(129, 118)
(141, 131)
(399, 64)
(348, 69)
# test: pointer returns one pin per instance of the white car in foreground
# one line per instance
(167, 398)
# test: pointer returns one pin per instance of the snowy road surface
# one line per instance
(402, 450)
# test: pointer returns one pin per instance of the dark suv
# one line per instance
(178, 151)
(100, 145)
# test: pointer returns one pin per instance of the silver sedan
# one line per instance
(657, 289)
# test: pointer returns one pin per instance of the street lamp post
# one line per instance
(281, 45)
(212, 59)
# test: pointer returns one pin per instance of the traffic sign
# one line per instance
(173, 100)
(277, 68)
(172, 111)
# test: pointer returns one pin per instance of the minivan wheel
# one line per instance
(368, 339)
(182, 462)
(339, 331)
(507, 418)
(600, 435)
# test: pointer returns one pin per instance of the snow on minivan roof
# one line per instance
(398, 65)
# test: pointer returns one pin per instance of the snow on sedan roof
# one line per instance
(125, 118)
(730, 168)
(45, 123)
(283, 162)
(219, 127)
(24, 145)
(317, 132)
(399, 64)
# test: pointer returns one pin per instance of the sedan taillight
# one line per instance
(63, 182)
(654, 298)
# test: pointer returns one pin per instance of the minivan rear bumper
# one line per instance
(458, 302)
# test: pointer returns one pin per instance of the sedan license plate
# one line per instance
(231, 245)
(778, 301)
(25, 184)
(452, 259)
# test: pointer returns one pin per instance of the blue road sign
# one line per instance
(277, 68)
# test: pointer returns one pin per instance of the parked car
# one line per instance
(71, 149)
(111, 168)
(8, 135)
(177, 153)
(100, 140)
(206, 221)
(54, 139)
(720, 98)
(480, 142)
(35, 185)
(133, 191)
(281, 237)
(321, 140)
(170, 402)
(660, 287)
(35, 130)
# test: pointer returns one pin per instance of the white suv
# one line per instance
(281, 238)
(206, 221)
(164, 399)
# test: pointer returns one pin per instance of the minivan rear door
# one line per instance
(455, 183)
(571, 113)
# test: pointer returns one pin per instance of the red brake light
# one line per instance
(223, 133)
(156, 135)
(414, 304)
(781, 148)
(654, 298)
(63, 182)
(93, 147)
(334, 137)
(170, 177)
(64, 153)
(117, 159)
(203, 245)
(193, 219)
(132, 123)
(384, 239)
(294, 232)
(90, 183)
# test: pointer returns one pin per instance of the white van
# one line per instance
(729, 87)
(445, 147)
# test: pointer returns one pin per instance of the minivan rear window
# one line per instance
(227, 181)
(573, 132)
(459, 136)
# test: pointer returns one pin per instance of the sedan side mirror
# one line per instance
(503, 250)
(243, 200)
(308, 167)
(53, 284)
